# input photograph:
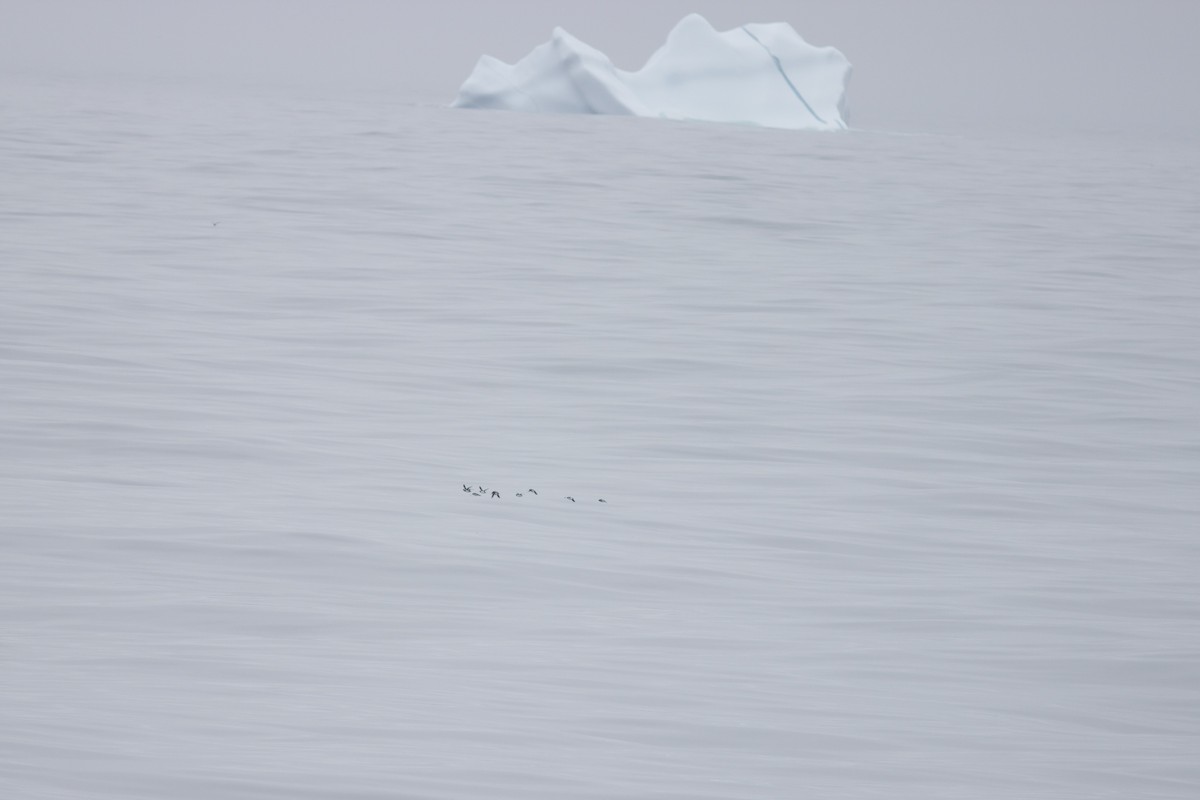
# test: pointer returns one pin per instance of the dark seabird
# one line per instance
(533, 491)
(572, 499)
(495, 494)
(602, 500)
(520, 495)
(466, 488)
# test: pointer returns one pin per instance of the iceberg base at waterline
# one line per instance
(759, 74)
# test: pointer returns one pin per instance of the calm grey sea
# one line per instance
(898, 436)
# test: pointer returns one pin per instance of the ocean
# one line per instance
(896, 434)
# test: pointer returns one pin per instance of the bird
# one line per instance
(482, 489)
(476, 494)
(466, 488)
(495, 494)
(572, 499)
(602, 500)
(533, 491)
(520, 495)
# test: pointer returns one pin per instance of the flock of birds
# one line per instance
(479, 491)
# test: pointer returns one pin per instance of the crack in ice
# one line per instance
(779, 66)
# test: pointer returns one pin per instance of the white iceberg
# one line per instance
(761, 74)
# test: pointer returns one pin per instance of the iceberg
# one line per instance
(759, 74)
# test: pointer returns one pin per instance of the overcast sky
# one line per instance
(918, 64)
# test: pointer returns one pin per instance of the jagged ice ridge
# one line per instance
(760, 74)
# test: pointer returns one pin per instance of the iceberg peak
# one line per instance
(758, 73)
